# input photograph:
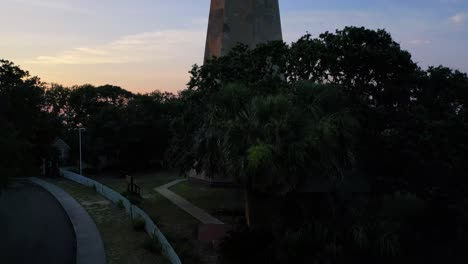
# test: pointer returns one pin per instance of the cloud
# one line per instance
(419, 42)
(404, 29)
(430, 38)
(161, 59)
(459, 18)
(154, 47)
(53, 4)
(201, 21)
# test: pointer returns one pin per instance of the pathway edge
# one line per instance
(89, 244)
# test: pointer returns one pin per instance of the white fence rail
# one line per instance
(134, 211)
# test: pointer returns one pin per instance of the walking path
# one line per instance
(122, 244)
(89, 245)
(185, 205)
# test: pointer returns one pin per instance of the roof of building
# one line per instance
(60, 143)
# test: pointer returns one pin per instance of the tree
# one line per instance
(14, 153)
(27, 128)
(270, 138)
(342, 108)
(135, 134)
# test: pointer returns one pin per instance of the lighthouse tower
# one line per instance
(249, 22)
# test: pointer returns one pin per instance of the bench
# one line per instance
(132, 187)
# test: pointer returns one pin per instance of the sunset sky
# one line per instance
(144, 45)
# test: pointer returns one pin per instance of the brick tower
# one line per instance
(249, 22)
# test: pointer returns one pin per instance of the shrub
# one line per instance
(152, 245)
(89, 171)
(132, 197)
(243, 245)
(187, 255)
(120, 204)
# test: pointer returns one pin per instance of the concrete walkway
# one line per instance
(89, 245)
(185, 205)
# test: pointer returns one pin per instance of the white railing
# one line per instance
(134, 211)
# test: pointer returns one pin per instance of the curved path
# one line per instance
(34, 227)
(89, 245)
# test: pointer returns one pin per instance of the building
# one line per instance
(250, 22)
(62, 148)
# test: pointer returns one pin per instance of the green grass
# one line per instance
(146, 180)
(120, 204)
(152, 245)
(223, 203)
(138, 224)
(179, 227)
(122, 244)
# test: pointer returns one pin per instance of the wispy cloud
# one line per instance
(149, 46)
(101, 50)
(404, 29)
(459, 18)
(419, 42)
(62, 5)
(423, 34)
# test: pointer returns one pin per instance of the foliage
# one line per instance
(326, 116)
(345, 101)
(26, 129)
(255, 245)
(324, 228)
(152, 245)
(287, 128)
(341, 113)
(13, 153)
(133, 198)
(120, 204)
(123, 130)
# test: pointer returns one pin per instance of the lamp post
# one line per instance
(81, 163)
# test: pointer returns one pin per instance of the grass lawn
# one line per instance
(226, 204)
(122, 244)
(179, 227)
(146, 180)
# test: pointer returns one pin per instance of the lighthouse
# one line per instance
(250, 22)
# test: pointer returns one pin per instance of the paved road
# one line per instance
(34, 228)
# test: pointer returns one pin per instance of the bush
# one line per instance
(138, 224)
(120, 204)
(152, 245)
(132, 197)
(187, 255)
(246, 246)
(89, 171)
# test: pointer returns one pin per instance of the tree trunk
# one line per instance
(259, 209)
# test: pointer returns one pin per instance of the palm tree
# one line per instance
(272, 142)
